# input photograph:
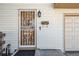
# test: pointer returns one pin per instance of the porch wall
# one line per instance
(47, 38)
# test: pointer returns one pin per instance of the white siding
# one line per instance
(9, 25)
(47, 38)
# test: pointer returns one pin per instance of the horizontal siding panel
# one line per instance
(9, 25)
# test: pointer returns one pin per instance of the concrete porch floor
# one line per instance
(55, 52)
(49, 52)
(72, 53)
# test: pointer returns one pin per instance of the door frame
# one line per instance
(68, 14)
(19, 29)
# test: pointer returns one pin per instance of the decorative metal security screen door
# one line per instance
(27, 28)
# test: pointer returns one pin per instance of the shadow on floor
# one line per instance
(25, 53)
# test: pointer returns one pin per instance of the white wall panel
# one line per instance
(47, 38)
(9, 25)
(72, 33)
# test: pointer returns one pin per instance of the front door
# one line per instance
(27, 25)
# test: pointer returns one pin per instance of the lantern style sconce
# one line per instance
(39, 13)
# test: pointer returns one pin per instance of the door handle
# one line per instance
(39, 27)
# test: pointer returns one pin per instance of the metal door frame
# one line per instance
(19, 29)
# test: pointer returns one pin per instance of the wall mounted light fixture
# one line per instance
(39, 13)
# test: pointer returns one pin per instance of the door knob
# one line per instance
(39, 27)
